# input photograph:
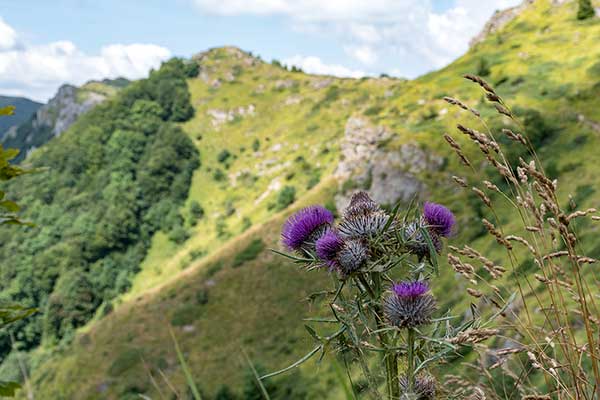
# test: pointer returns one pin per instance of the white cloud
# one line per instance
(8, 36)
(363, 53)
(406, 35)
(36, 71)
(314, 65)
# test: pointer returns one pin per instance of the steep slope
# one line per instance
(61, 111)
(260, 128)
(25, 108)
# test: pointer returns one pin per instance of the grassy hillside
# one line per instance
(262, 130)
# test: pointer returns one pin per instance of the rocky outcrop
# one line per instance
(498, 21)
(388, 175)
(55, 117)
(219, 117)
(64, 108)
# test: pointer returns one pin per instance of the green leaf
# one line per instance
(294, 365)
(258, 378)
(184, 366)
(312, 332)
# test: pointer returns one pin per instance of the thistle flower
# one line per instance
(361, 203)
(416, 241)
(409, 304)
(424, 387)
(363, 218)
(352, 256)
(305, 227)
(328, 247)
(439, 219)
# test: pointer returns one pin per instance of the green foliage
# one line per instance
(223, 156)
(219, 175)
(585, 10)
(196, 210)
(179, 234)
(256, 145)
(113, 180)
(249, 253)
(286, 196)
(202, 296)
(483, 67)
(192, 69)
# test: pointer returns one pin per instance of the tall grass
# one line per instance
(547, 345)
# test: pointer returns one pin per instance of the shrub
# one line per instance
(254, 248)
(286, 196)
(214, 268)
(219, 175)
(256, 145)
(202, 296)
(223, 156)
(196, 210)
(313, 181)
(221, 229)
(229, 208)
(483, 67)
(585, 10)
(179, 234)
(192, 69)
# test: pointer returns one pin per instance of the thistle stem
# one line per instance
(410, 374)
(391, 358)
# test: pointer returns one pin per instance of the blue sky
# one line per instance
(44, 44)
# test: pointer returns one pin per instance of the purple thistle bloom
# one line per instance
(301, 227)
(439, 218)
(409, 305)
(410, 289)
(328, 246)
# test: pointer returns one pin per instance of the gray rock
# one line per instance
(389, 176)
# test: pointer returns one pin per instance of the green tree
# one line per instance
(10, 313)
(585, 10)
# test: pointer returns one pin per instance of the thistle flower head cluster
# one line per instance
(302, 229)
(362, 248)
(409, 305)
(428, 230)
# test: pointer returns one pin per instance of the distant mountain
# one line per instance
(25, 108)
(53, 118)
